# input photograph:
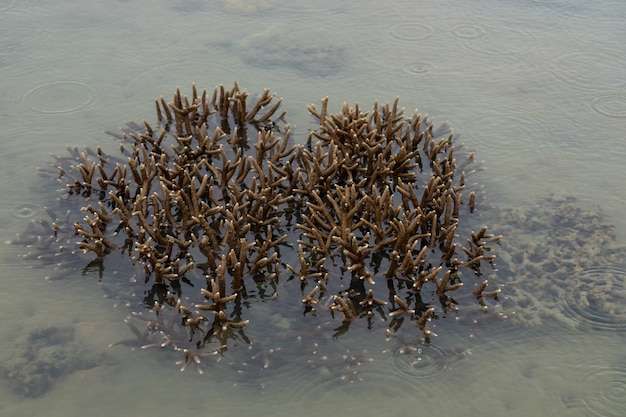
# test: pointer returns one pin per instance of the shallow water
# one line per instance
(536, 87)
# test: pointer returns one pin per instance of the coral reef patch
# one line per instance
(561, 262)
(222, 230)
(45, 355)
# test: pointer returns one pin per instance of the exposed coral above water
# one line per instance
(222, 231)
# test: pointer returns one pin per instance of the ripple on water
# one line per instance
(609, 104)
(410, 32)
(420, 361)
(60, 97)
(590, 70)
(512, 133)
(604, 390)
(494, 41)
(600, 31)
(467, 31)
(399, 76)
(305, 366)
(419, 68)
(21, 41)
(25, 210)
(597, 297)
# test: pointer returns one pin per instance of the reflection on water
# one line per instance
(537, 86)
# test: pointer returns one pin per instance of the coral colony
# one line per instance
(218, 209)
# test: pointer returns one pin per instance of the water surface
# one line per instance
(536, 87)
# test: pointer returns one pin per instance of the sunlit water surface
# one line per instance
(536, 87)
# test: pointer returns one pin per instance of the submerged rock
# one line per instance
(311, 53)
(45, 355)
(562, 262)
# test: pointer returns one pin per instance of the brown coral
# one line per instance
(214, 202)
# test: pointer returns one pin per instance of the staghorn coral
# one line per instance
(214, 206)
(381, 194)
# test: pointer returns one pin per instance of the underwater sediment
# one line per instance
(216, 221)
(43, 356)
(562, 264)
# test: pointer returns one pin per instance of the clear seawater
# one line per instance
(536, 87)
